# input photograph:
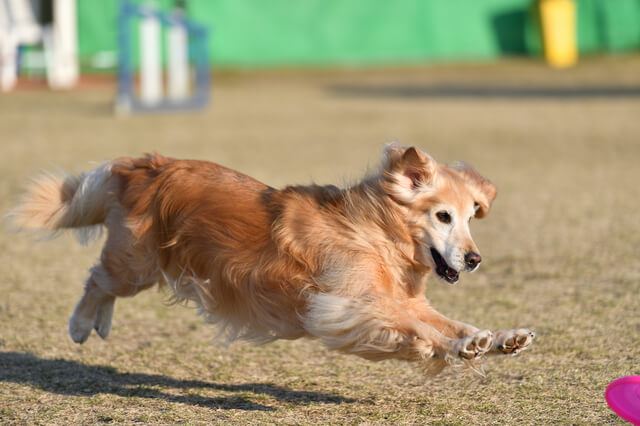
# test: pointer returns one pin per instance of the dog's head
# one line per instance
(439, 202)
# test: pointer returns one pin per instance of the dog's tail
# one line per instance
(53, 203)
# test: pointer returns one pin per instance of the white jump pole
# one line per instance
(63, 69)
(8, 51)
(178, 62)
(8, 60)
(150, 60)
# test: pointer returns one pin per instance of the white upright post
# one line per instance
(63, 69)
(24, 22)
(8, 60)
(150, 60)
(17, 26)
(178, 62)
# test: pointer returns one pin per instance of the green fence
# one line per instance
(259, 33)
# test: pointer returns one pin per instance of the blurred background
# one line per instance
(254, 33)
(543, 97)
(41, 35)
(197, 63)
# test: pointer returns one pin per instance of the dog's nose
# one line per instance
(472, 259)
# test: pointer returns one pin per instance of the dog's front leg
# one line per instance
(468, 347)
(381, 328)
(502, 342)
(467, 341)
(425, 313)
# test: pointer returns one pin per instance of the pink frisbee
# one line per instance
(623, 396)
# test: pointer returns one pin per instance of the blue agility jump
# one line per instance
(187, 49)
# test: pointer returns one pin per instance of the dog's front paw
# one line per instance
(475, 345)
(513, 341)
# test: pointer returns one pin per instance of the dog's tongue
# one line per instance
(451, 274)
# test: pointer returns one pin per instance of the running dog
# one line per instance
(346, 266)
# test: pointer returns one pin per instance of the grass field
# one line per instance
(560, 248)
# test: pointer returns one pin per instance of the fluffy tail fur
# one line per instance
(53, 203)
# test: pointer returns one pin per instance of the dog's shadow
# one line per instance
(66, 377)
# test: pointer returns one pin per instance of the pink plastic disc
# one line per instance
(623, 396)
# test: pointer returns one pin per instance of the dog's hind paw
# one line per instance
(80, 328)
(475, 345)
(102, 323)
(512, 341)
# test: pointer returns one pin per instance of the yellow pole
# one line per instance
(558, 21)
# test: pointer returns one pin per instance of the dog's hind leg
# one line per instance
(94, 309)
(123, 271)
(102, 323)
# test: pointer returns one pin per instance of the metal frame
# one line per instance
(127, 101)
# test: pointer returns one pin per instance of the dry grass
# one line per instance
(560, 249)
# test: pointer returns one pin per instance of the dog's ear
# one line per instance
(484, 192)
(406, 172)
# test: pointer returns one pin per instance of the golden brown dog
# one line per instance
(347, 266)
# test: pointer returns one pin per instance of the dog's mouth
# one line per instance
(443, 270)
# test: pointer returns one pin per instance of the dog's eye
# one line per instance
(444, 217)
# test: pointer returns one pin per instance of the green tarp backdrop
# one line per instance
(258, 33)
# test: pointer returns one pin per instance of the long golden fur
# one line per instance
(347, 266)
